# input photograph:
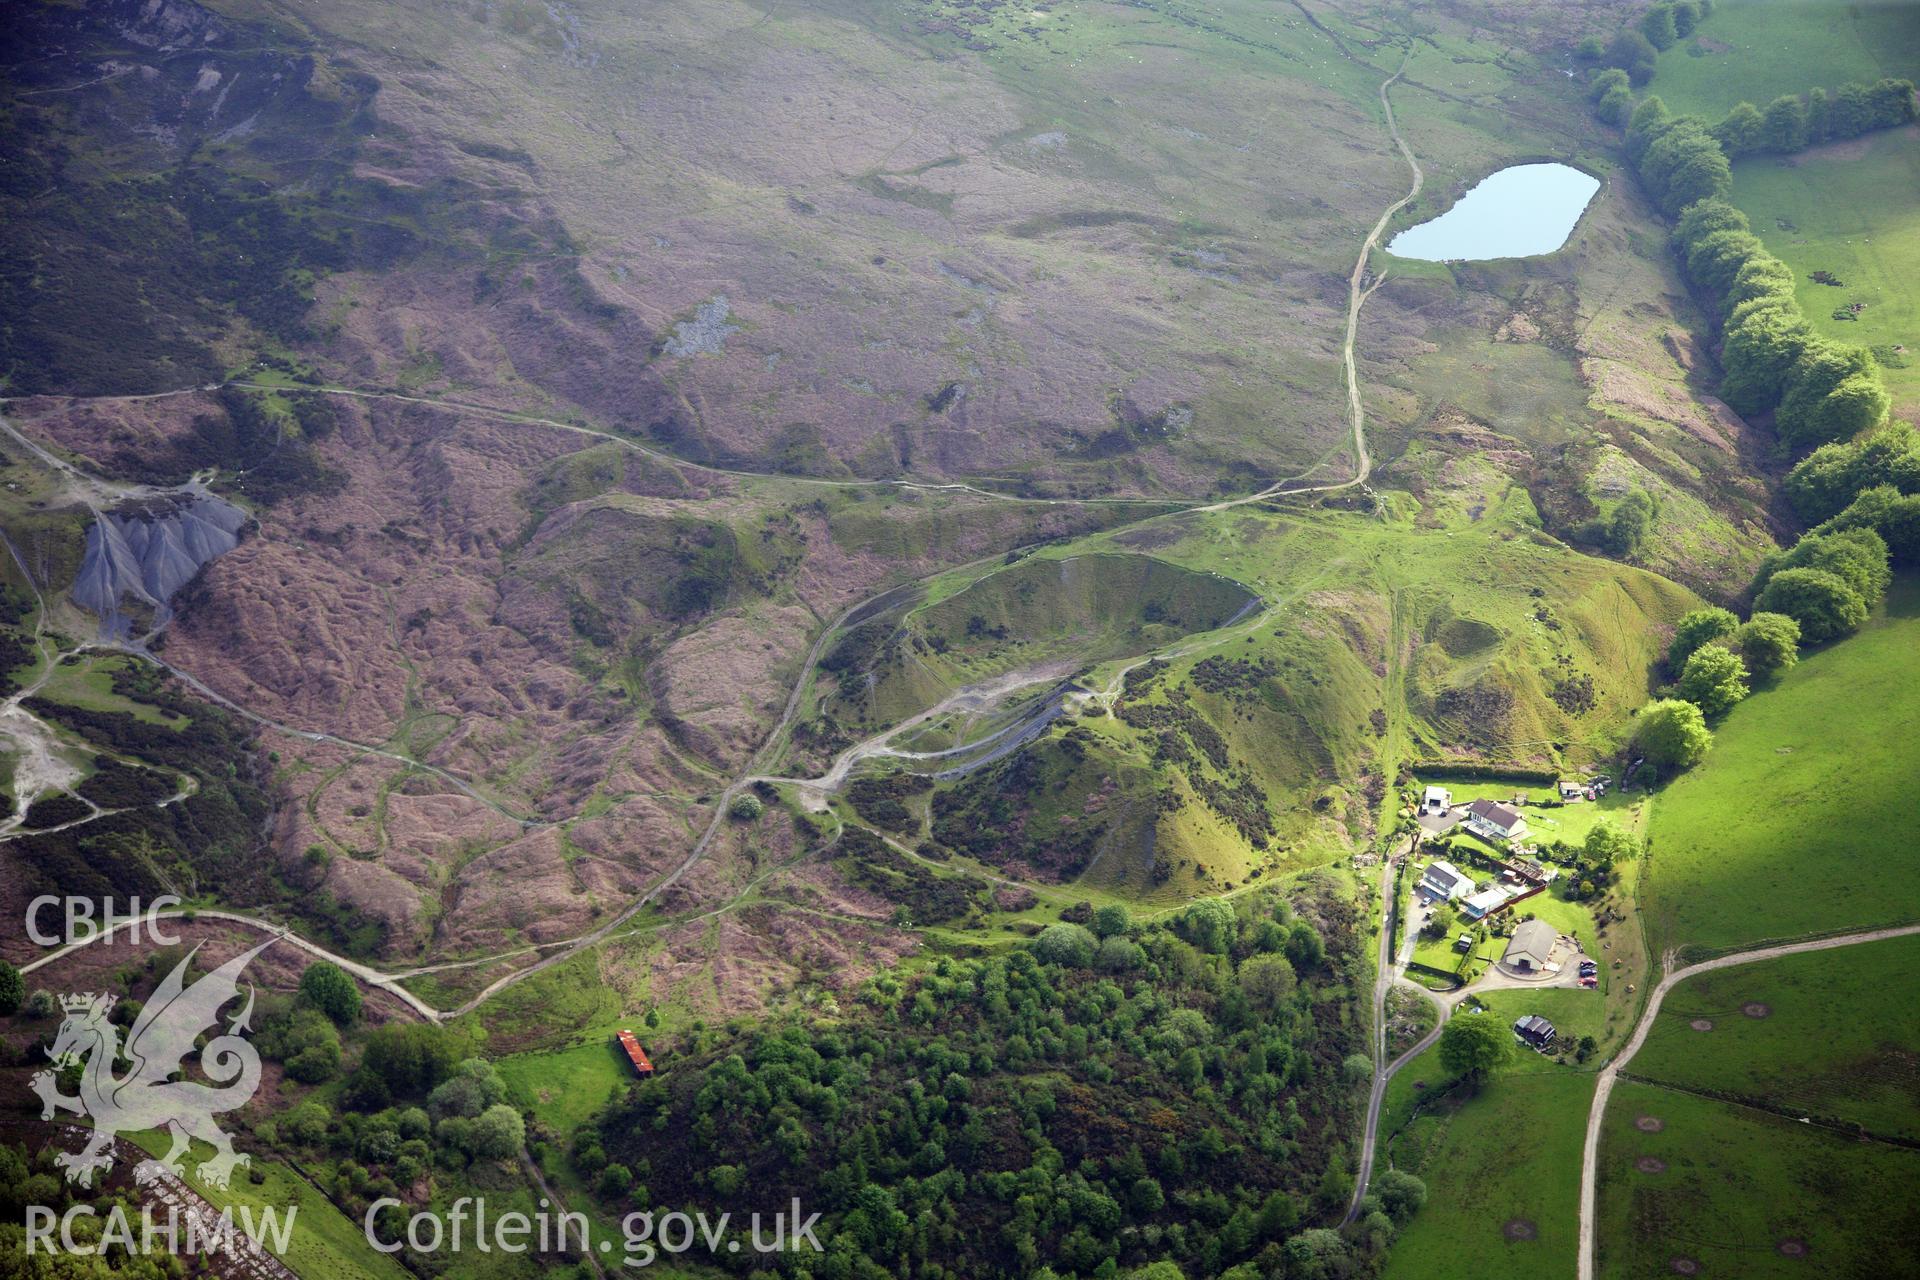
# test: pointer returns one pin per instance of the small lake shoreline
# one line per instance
(1526, 209)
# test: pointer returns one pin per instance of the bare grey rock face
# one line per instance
(145, 553)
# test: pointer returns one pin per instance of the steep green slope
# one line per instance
(1846, 211)
(1274, 743)
(1043, 613)
(1799, 820)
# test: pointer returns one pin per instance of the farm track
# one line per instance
(1603, 1090)
(1358, 291)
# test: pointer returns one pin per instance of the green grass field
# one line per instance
(1800, 819)
(88, 683)
(1502, 1171)
(1838, 1039)
(1849, 210)
(1735, 1186)
(567, 1087)
(1756, 50)
(325, 1244)
(1573, 1011)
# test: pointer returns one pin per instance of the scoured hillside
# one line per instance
(1264, 747)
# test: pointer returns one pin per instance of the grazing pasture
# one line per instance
(1689, 1185)
(1502, 1170)
(1800, 820)
(1848, 210)
(1829, 1034)
(1756, 50)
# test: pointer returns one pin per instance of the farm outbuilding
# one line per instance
(1535, 948)
(1535, 1030)
(636, 1054)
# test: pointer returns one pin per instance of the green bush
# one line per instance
(327, 987)
(1823, 605)
(1769, 642)
(1672, 734)
(1066, 944)
(13, 988)
(1696, 628)
(1714, 680)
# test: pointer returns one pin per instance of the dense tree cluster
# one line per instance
(1114, 1095)
(464, 1121)
(1826, 582)
(1793, 123)
(1821, 391)
(1872, 483)
(34, 1179)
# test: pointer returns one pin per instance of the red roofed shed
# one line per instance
(635, 1054)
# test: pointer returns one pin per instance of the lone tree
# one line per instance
(1606, 843)
(1673, 734)
(327, 988)
(1441, 922)
(1770, 642)
(1713, 680)
(12, 988)
(1475, 1046)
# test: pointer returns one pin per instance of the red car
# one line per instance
(1589, 982)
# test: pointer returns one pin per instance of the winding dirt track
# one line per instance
(1590, 1151)
(1357, 294)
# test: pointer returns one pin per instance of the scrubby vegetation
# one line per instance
(1009, 814)
(923, 895)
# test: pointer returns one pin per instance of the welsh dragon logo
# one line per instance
(146, 1097)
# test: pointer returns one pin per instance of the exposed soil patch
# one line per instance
(1791, 1247)
(1757, 1009)
(1701, 1024)
(1649, 1124)
(1650, 1164)
(1519, 1229)
(1685, 1267)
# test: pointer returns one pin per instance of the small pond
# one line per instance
(1519, 212)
